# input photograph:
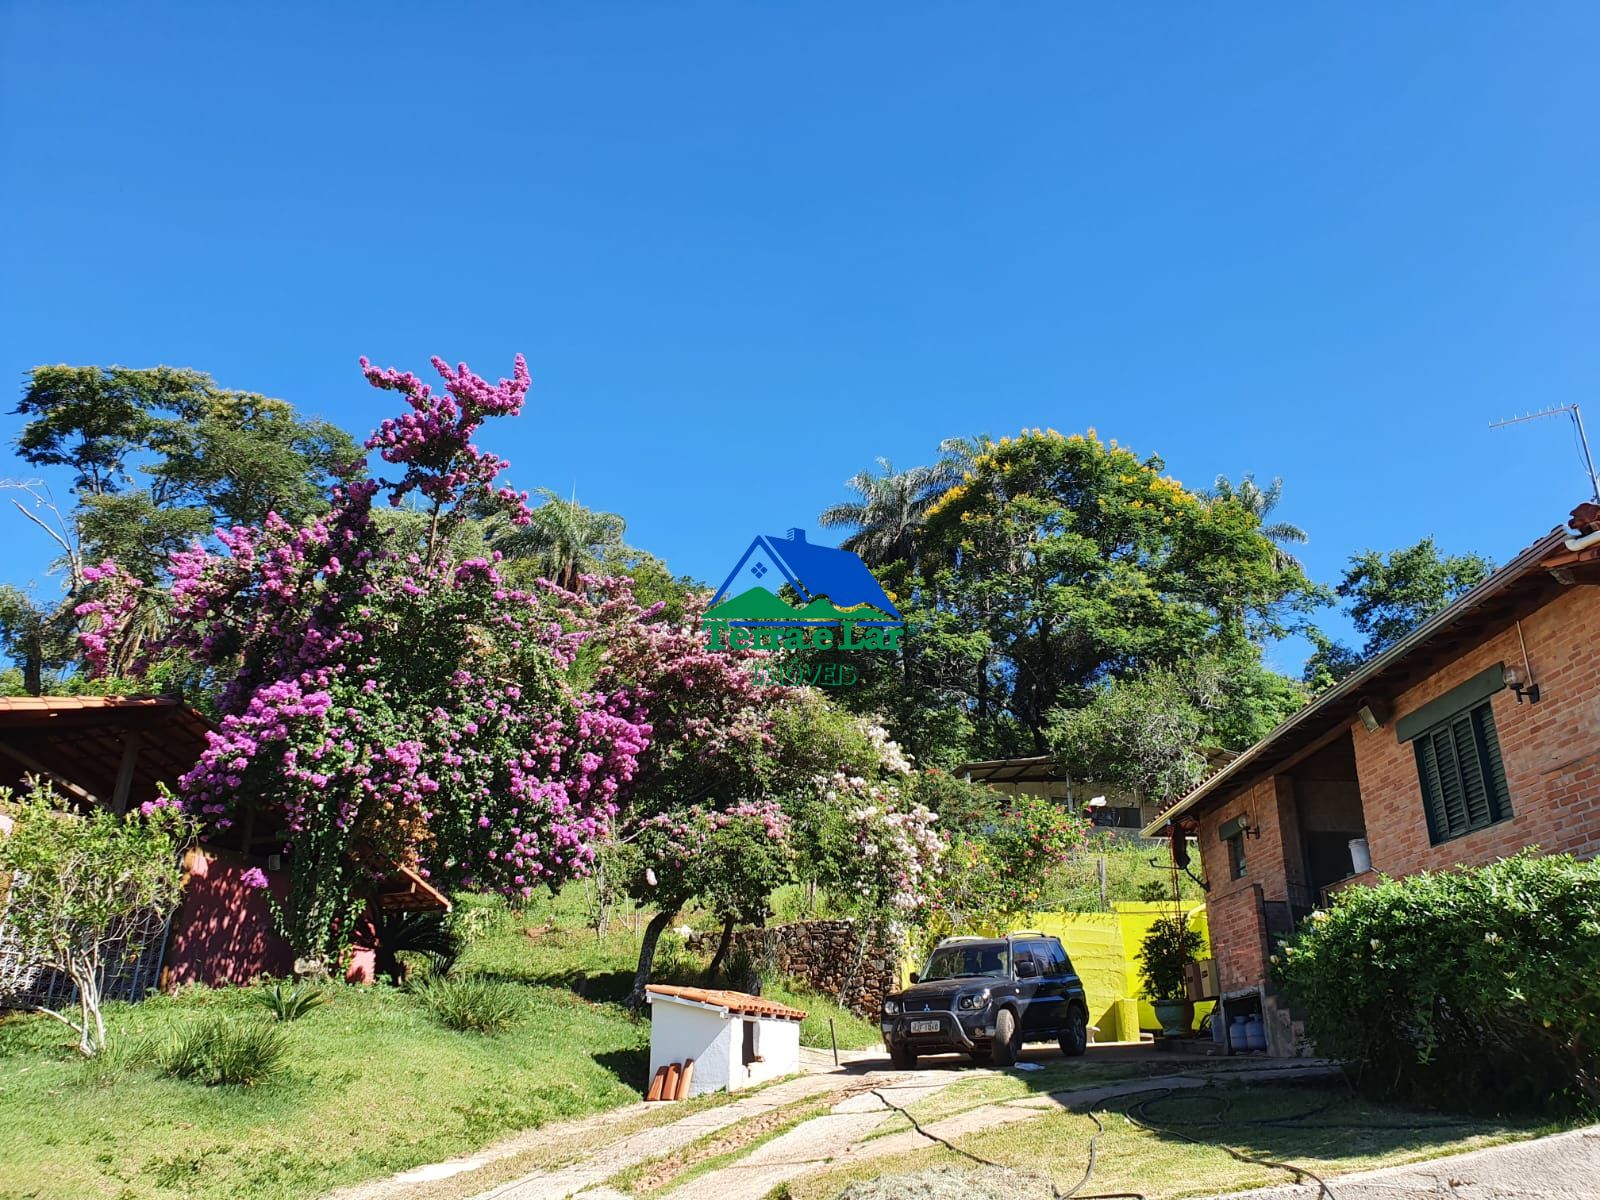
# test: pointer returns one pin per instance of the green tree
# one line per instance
(161, 455)
(888, 513)
(1331, 661)
(81, 889)
(158, 459)
(561, 541)
(1076, 562)
(1261, 501)
(38, 639)
(1151, 732)
(1391, 594)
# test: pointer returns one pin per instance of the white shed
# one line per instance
(733, 1039)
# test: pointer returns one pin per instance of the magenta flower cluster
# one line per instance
(385, 706)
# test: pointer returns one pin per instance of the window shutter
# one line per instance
(1494, 768)
(1461, 774)
(1428, 774)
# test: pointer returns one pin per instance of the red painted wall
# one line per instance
(223, 931)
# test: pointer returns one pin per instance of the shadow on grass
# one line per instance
(629, 1066)
(1303, 1122)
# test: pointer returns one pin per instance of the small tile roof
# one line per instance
(735, 1002)
(81, 740)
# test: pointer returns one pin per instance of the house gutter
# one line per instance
(1350, 687)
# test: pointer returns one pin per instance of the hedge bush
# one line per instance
(1474, 989)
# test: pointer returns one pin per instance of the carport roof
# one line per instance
(81, 739)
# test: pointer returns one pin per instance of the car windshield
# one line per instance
(968, 962)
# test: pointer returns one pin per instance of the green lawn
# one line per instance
(373, 1085)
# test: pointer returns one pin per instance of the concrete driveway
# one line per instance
(1564, 1166)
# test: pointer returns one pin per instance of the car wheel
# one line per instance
(1004, 1050)
(1075, 1037)
(903, 1057)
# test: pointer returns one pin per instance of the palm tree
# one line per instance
(563, 540)
(885, 518)
(1260, 501)
(960, 455)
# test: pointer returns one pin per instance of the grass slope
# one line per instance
(373, 1084)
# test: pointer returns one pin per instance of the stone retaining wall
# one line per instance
(827, 956)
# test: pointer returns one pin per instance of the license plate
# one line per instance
(925, 1027)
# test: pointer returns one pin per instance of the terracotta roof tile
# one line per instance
(738, 1002)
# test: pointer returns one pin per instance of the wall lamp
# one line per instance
(1240, 825)
(1517, 681)
(1374, 714)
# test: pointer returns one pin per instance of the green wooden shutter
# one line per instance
(1461, 774)
(1428, 773)
(1475, 796)
(1494, 768)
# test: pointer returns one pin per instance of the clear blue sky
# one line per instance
(748, 247)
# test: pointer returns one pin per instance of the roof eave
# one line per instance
(1351, 686)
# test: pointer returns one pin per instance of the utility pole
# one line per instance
(1577, 421)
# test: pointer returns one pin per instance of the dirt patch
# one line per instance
(951, 1183)
(654, 1176)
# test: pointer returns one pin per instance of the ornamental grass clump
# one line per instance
(472, 1004)
(1474, 989)
(290, 1003)
(218, 1051)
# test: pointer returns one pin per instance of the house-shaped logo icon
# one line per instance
(833, 603)
(833, 586)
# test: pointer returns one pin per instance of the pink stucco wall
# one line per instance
(223, 932)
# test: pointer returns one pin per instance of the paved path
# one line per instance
(640, 1147)
(839, 1139)
(1565, 1166)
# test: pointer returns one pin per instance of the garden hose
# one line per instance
(1139, 1113)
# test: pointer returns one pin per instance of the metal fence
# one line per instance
(132, 967)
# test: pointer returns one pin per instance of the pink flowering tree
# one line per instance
(384, 704)
(705, 823)
(870, 844)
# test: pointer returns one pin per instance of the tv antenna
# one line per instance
(1577, 423)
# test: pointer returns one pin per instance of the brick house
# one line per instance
(1474, 736)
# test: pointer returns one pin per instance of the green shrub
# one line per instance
(216, 1051)
(1168, 948)
(1476, 989)
(429, 936)
(472, 1004)
(119, 1058)
(289, 1003)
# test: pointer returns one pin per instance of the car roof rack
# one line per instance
(968, 937)
(1027, 933)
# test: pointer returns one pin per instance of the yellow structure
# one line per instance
(1104, 948)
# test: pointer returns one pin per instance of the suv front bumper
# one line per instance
(971, 1032)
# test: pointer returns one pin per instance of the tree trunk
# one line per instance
(33, 670)
(647, 955)
(722, 952)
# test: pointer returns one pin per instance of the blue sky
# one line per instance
(748, 247)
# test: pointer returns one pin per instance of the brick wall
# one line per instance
(1551, 749)
(1238, 932)
(1551, 752)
